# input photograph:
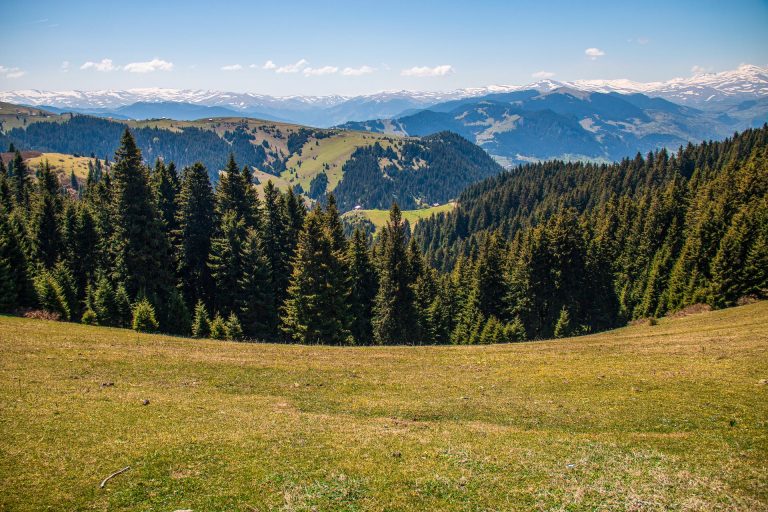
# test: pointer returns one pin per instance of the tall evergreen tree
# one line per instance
(195, 228)
(394, 311)
(139, 245)
(363, 285)
(315, 310)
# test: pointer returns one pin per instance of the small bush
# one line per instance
(218, 328)
(201, 325)
(233, 328)
(89, 317)
(144, 317)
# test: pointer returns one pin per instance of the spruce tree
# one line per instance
(45, 234)
(195, 228)
(256, 305)
(363, 284)
(315, 310)
(201, 323)
(394, 310)
(226, 263)
(139, 245)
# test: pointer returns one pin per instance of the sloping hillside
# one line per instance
(662, 417)
(311, 161)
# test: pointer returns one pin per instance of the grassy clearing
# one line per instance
(380, 217)
(665, 417)
(332, 151)
(62, 164)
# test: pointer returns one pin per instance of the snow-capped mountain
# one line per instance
(707, 90)
(745, 82)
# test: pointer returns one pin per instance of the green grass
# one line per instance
(665, 417)
(380, 217)
(332, 151)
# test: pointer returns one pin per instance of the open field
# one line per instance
(380, 217)
(62, 164)
(665, 417)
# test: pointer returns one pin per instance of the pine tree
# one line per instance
(177, 319)
(18, 175)
(563, 326)
(139, 245)
(45, 233)
(218, 328)
(277, 246)
(144, 317)
(201, 327)
(315, 310)
(394, 310)
(226, 263)
(257, 299)
(231, 192)
(195, 228)
(363, 283)
(232, 328)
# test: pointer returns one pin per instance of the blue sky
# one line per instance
(356, 47)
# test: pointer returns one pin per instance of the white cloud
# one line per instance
(267, 65)
(149, 66)
(700, 70)
(422, 71)
(65, 66)
(594, 53)
(103, 65)
(325, 70)
(12, 72)
(292, 68)
(362, 70)
(543, 74)
(232, 67)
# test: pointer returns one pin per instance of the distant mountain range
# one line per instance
(572, 124)
(708, 91)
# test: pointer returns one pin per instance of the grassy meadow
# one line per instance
(666, 417)
(380, 217)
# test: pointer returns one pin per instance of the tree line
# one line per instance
(545, 250)
(149, 248)
(585, 247)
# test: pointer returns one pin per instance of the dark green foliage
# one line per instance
(610, 243)
(363, 285)
(139, 244)
(545, 250)
(394, 310)
(195, 218)
(51, 296)
(433, 169)
(316, 309)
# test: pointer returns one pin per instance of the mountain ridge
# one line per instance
(706, 90)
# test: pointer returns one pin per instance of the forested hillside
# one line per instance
(372, 170)
(596, 245)
(544, 250)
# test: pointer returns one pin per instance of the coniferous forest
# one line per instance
(545, 250)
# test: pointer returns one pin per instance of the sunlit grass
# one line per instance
(672, 416)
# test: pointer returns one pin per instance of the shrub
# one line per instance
(234, 330)
(89, 317)
(50, 295)
(201, 325)
(144, 317)
(218, 329)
